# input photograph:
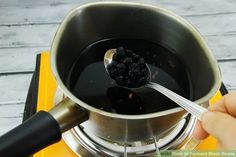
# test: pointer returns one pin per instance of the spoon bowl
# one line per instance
(108, 57)
(193, 108)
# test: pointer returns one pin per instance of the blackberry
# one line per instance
(121, 67)
(120, 80)
(141, 61)
(113, 72)
(120, 51)
(129, 83)
(136, 58)
(128, 69)
(127, 60)
(144, 71)
(141, 80)
(133, 66)
(136, 72)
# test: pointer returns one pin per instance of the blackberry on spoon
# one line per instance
(130, 70)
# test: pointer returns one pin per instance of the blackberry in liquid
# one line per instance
(89, 81)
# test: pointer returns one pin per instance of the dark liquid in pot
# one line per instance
(89, 81)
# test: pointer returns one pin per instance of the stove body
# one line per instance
(76, 142)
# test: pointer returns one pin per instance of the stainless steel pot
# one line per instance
(96, 21)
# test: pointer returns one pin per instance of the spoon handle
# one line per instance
(193, 108)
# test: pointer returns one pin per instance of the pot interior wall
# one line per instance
(97, 22)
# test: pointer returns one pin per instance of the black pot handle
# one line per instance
(31, 136)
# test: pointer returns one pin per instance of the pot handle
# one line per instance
(42, 129)
(34, 134)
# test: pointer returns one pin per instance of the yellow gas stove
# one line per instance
(41, 97)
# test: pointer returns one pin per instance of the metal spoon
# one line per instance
(193, 108)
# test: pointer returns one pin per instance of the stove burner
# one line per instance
(85, 144)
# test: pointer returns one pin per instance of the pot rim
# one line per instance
(183, 22)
